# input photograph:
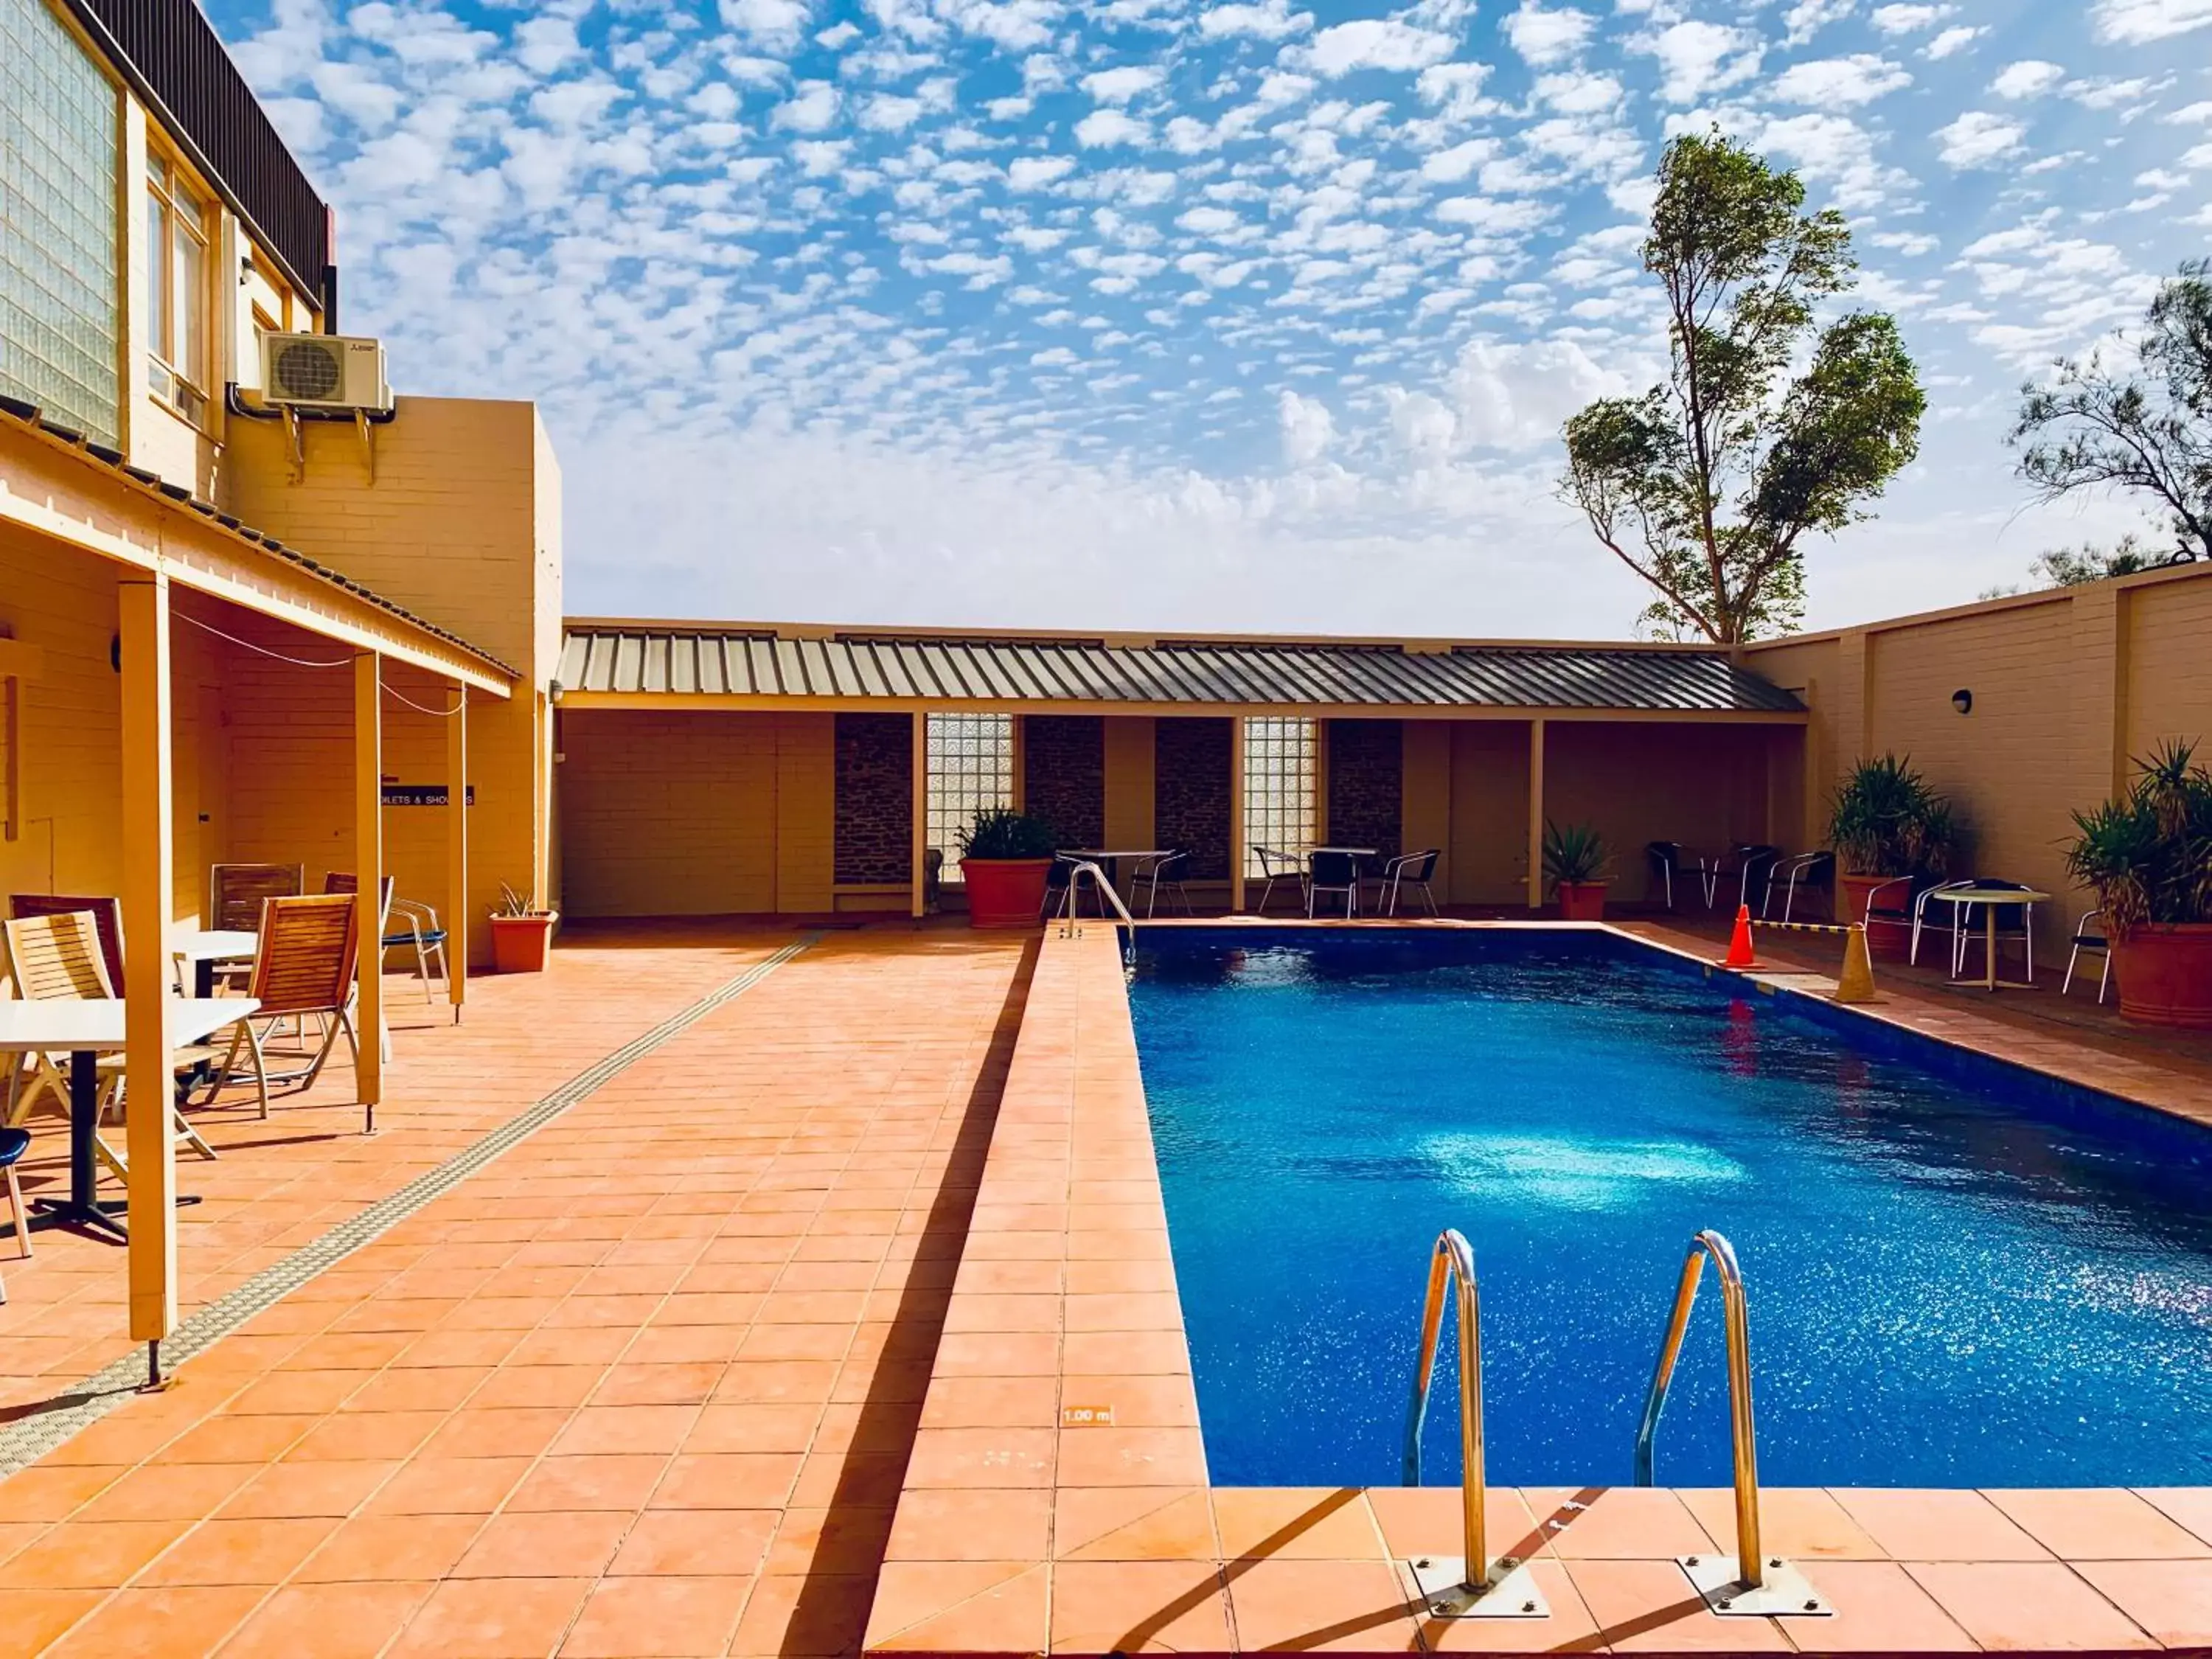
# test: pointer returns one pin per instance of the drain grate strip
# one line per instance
(28, 1438)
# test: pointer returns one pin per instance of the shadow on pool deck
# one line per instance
(859, 1511)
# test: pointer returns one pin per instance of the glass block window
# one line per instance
(971, 766)
(60, 282)
(1278, 787)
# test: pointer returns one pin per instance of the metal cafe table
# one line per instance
(1991, 899)
(85, 1029)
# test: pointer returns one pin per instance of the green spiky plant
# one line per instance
(999, 832)
(2148, 855)
(1884, 820)
(1575, 854)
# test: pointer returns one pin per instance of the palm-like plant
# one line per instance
(1885, 821)
(2149, 855)
(1575, 854)
(999, 832)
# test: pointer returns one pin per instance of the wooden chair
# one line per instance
(235, 893)
(58, 956)
(303, 969)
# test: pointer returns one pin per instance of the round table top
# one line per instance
(1989, 895)
(214, 944)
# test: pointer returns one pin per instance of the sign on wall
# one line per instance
(420, 795)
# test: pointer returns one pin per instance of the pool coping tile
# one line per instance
(1065, 1336)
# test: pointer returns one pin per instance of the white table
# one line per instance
(204, 949)
(1990, 898)
(85, 1029)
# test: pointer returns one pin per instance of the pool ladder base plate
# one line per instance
(1786, 1593)
(1442, 1581)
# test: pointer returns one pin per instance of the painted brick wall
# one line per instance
(461, 524)
(1064, 775)
(1190, 800)
(1366, 783)
(875, 798)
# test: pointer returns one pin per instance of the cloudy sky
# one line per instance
(1182, 314)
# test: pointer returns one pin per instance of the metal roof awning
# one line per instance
(613, 660)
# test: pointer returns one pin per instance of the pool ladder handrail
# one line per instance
(1500, 1589)
(1736, 1313)
(1070, 914)
(1763, 1584)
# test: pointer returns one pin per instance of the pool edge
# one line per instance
(1026, 1525)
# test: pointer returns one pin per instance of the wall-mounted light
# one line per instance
(1963, 701)
(554, 690)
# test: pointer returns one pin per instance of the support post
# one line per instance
(1536, 813)
(921, 824)
(368, 859)
(456, 851)
(148, 845)
(1236, 815)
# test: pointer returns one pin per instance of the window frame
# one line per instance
(965, 736)
(1277, 815)
(180, 387)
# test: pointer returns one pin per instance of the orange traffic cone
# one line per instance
(1739, 951)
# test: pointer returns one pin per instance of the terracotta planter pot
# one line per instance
(2164, 970)
(519, 943)
(1886, 941)
(1581, 901)
(1004, 892)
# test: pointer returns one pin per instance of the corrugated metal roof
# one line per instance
(611, 657)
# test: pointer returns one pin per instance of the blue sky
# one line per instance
(1179, 314)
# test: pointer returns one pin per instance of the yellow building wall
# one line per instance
(461, 525)
(69, 838)
(1130, 763)
(2066, 686)
(697, 814)
(1489, 841)
(1425, 794)
(2168, 672)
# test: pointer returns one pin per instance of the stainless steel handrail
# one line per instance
(1453, 1262)
(1106, 896)
(1750, 1563)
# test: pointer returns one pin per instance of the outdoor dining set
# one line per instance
(259, 996)
(1983, 910)
(1339, 879)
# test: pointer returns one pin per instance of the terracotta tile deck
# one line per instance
(644, 1385)
(1058, 1501)
(843, 1311)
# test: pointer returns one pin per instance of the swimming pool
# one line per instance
(1959, 1274)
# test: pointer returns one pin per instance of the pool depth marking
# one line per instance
(78, 1407)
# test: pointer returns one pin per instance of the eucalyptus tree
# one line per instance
(1772, 424)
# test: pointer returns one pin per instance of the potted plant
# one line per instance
(1576, 861)
(2148, 857)
(1887, 824)
(520, 931)
(1005, 856)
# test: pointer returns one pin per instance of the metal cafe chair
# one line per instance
(1920, 922)
(1813, 869)
(1665, 858)
(2089, 935)
(1165, 871)
(1274, 866)
(1333, 872)
(1411, 870)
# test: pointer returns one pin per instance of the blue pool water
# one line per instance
(1959, 1274)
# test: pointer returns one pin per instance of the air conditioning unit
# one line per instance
(323, 371)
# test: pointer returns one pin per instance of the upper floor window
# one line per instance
(180, 224)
